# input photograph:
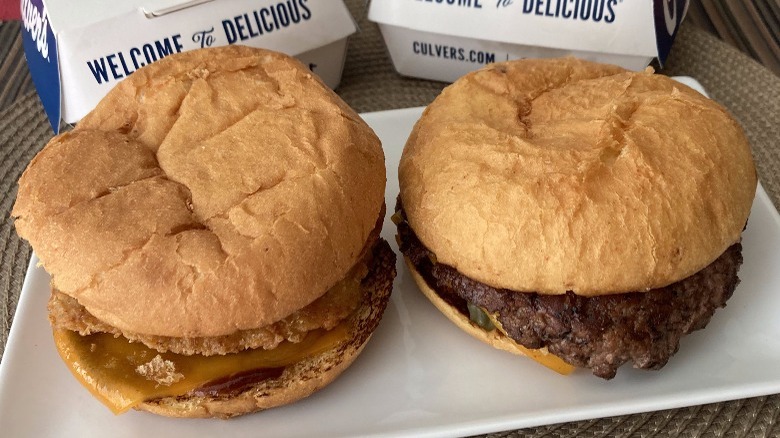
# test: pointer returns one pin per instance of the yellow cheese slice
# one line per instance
(122, 374)
(541, 355)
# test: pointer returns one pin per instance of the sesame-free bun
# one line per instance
(213, 191)
(298, 381)
(564, 175)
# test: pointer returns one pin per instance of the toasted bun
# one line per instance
(300, 379)
(564, 175)
(298, 382)
(213, 191)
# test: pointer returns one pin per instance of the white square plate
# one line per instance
(421, 376)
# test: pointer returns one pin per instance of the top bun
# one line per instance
(563, 175)
(213, 191)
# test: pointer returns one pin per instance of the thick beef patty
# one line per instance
(600, 333)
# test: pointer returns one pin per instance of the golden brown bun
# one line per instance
(303, 378)
(560, 174)
(210, 192)
(296, 383)
(325, 312)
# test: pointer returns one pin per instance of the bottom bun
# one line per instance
(297, 382)
(495, 338)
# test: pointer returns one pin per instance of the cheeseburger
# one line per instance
(212, 234)
(578, 213)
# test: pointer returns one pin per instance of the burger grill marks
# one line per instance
(600, 333)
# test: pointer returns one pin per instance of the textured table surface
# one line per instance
(749, 90)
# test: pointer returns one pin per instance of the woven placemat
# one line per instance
(15, 80)
(369, 83)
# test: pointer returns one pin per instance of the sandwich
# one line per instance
(578, 213)
(211, 230)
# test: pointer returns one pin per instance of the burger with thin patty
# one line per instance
(578, 213)
(212, 234)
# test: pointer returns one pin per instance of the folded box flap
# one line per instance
(156, 8)
(95, 56)
(608, 26)
(40, 50)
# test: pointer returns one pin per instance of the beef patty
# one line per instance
(600, 333)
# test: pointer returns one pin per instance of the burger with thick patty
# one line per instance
(212, 234)
(578, 213)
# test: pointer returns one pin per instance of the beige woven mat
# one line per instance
(750, 91)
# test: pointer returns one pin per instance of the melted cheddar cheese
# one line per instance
(542, 356)
(122, 374)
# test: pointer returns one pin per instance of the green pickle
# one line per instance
(480, 317)
(397, 217)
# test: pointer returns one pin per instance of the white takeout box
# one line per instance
(445, 39)
(78, 50)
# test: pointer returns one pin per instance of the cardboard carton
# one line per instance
(78, 50)
(445, 39)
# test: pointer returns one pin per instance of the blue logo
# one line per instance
(40, 49)
(36, 23)
(668, 16)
